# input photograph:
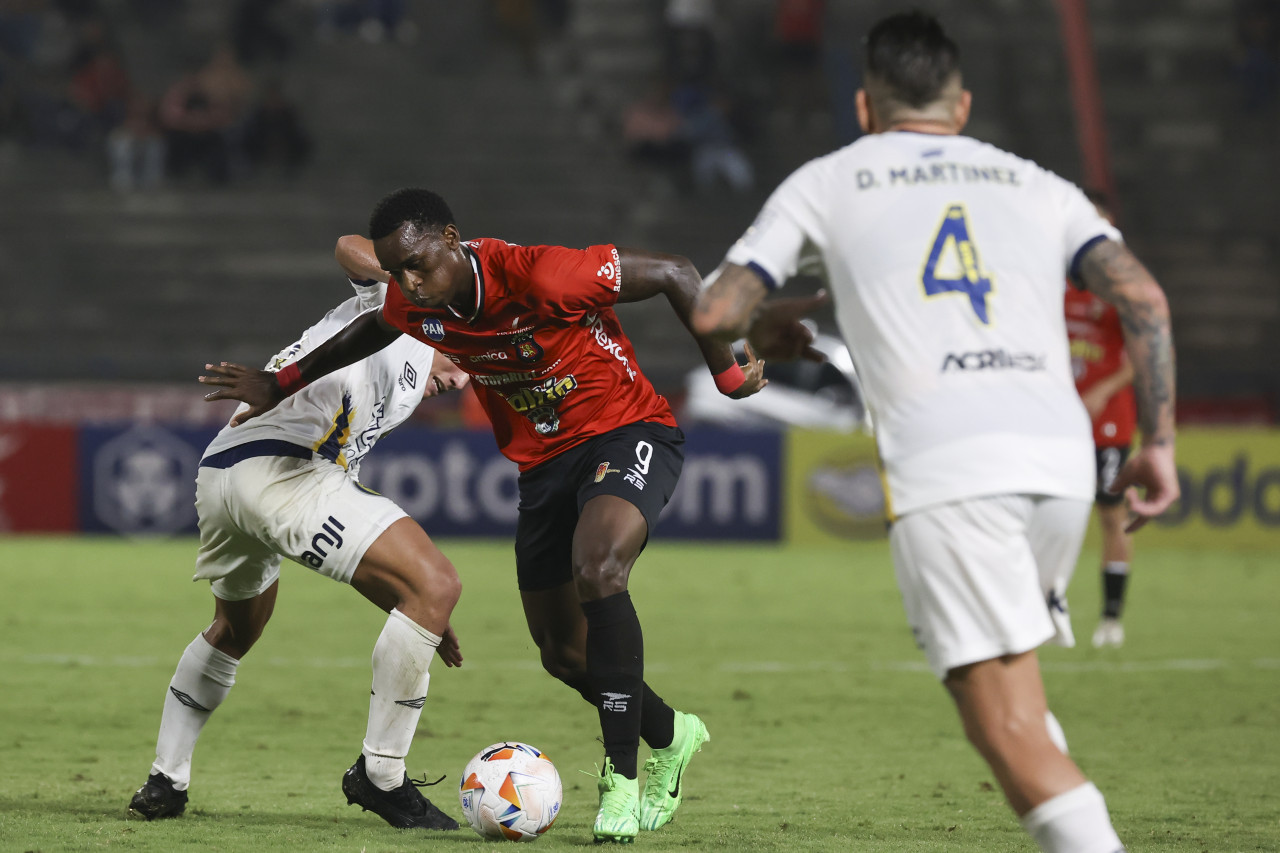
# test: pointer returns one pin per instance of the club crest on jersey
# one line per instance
(433, 329)
(527, 349)
(603, 470)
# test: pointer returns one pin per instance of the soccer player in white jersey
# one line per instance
(285, 485)
(946, 258)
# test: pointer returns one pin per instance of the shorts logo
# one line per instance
(329, 535)
(527, 349)
(433, 329)
(603, 470)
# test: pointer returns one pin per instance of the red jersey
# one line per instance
(1097, 351)
(547, 356)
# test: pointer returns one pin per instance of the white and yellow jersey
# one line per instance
(947, 259)
(340, 416)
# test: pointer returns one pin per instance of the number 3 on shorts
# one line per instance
(954, 255)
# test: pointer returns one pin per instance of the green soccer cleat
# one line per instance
(665, 767)
(618, 820)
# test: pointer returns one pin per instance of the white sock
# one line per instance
(1074, 822)
(400, 660)
(1056, 734)
(202, 680)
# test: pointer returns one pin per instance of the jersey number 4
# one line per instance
(953, 265)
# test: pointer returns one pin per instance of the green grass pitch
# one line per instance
(828, 734)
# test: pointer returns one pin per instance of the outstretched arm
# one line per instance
(1112, 272)
(733, 306)
(646, 274)
(262, 389)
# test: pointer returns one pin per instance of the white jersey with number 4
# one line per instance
(341, 415)
(947, 259)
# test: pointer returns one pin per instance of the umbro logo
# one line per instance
(185, 699)
(410, 375)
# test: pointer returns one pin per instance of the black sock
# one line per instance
(1115, 578)
(615, 670)
(657, 721)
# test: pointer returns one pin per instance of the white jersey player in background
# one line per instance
(285, 485)
(946, 257)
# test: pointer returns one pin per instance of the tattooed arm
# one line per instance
(732, 306)
(1112, 272)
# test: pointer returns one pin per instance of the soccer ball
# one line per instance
(510, 790)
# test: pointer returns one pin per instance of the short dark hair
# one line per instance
(419, 207)
(911, 57)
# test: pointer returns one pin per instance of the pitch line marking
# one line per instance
(730, 667)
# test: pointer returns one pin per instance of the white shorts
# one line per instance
(265, 507)
(987, 577)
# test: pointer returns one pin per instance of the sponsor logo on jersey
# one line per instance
(506, 378)
(433, 328)
(993, 359)
(603, 470)
(538, 402)
(611, 271)
(595, 327)
(492, 355)
(409, 375)
(329, 535)
(527, 349)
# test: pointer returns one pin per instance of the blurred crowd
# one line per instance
(693, 123)
(67, 83)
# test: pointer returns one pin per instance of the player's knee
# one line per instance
(232, 638)
(1011, 734)
(564, 663)
(601, 570)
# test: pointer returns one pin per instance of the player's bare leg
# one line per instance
(1004, 711)
(405, 574)
(1117, 551)
(203, 678)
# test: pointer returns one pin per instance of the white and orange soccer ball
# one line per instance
(510, 791)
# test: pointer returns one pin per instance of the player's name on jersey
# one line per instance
(930, 174)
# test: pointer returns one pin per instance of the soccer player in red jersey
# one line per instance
(598, 449)
(1104, 378)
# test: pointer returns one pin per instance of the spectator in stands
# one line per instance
(1257, 64)
(274, 135)
(797, 32)
(651, 132)
(202, 115)
(374, 20)
(714, 150)
(690, 41)
(136, 148)
(100, 86)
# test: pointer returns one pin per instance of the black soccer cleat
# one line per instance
(158, 798)
(404, 808)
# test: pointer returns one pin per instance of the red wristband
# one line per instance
(289, 378)
(730, 379)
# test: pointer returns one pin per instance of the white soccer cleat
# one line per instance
(1109, 633)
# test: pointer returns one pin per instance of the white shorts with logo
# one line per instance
(265, 507)
(987, 577)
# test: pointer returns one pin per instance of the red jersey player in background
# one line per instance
(1104, 379)
(598, 449)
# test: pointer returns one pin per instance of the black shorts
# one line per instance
(639, 463)
(1109, 460)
